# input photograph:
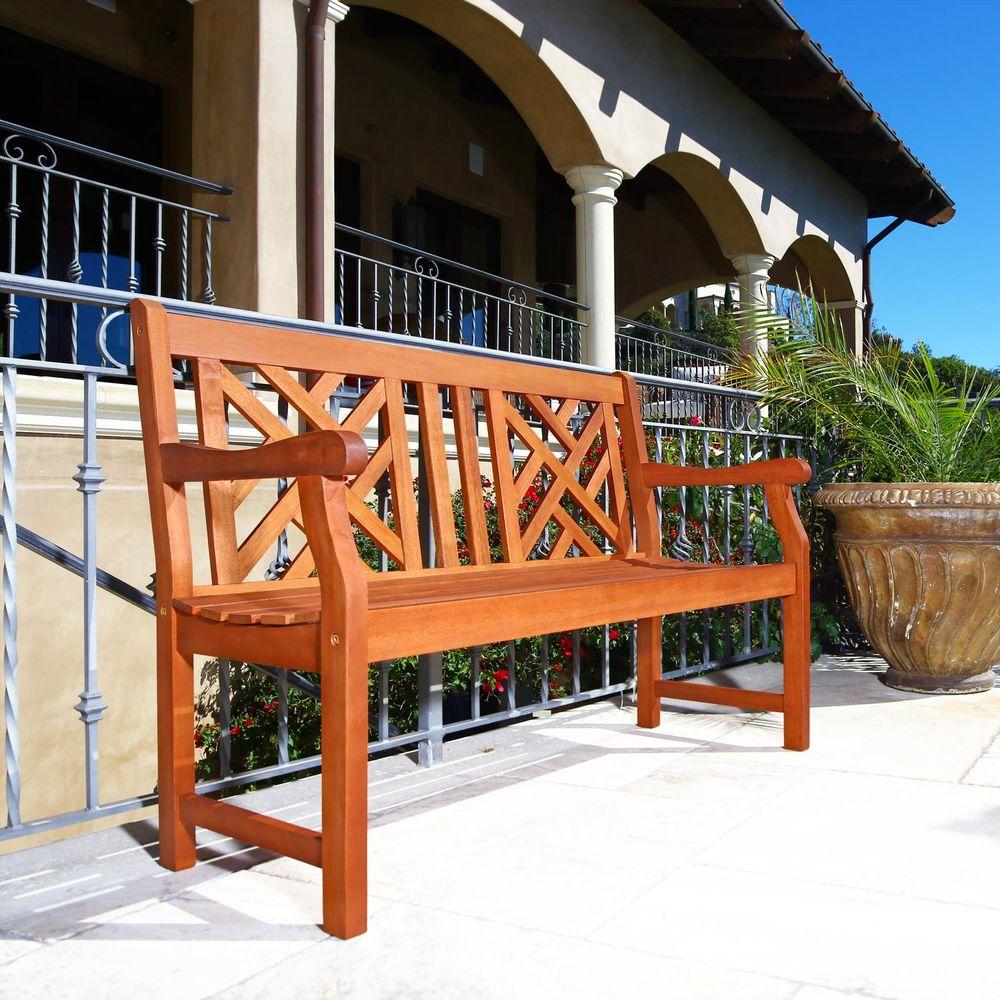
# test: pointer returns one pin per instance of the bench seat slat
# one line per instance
(485, 607)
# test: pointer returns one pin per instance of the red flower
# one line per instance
(613, 633)
(234, 730)
(697, 422)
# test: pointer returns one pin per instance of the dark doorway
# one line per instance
(463, 234)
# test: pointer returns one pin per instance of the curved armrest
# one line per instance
(775, 472)
(336, 454)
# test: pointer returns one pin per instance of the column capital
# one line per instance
(336, 11)
(594, 182)
(757, 264)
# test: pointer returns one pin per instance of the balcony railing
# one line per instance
(687, 422)
(390, 287)
(648, 350)
(67, 225)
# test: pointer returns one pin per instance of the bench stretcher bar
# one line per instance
(252, 828)
(758, 701)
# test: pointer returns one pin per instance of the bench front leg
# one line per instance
(344, 703)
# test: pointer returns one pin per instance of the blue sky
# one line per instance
(931, 69)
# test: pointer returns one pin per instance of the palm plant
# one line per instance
(892, 418)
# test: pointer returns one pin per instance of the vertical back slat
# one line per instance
(503, 476)
(220, 503)
(436, 469)
(647, 525)
(467, 439)
(617, 497)
(401, 475)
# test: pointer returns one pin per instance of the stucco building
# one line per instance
(606, 154)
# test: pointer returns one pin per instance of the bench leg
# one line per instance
(797, 660)
(175, 744)
(648, 668)
(345, 785)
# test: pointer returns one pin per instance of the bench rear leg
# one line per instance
(345, 785)
(175, 744)
(797, 659)
(648, 668)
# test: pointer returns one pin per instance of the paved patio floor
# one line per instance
(574, 857)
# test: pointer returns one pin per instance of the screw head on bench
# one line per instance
(334, 640)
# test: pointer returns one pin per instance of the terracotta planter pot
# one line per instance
(922, 565)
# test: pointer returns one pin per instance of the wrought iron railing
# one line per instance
(648, 350)
(390, 287)
(687, 422)
(73, 225)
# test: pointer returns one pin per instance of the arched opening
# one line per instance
(513, 66)
(812, 264)
(679, 222)
(442, 148)
(811, 261)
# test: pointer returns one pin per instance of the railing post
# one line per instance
(90, 706)
(8, 514)
(430, 686)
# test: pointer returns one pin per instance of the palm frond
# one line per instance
(893, 418)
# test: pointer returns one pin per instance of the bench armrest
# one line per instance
(775, 471)
(336, 454)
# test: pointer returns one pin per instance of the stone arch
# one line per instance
(812, 260)
(503, 52)
(719, 202)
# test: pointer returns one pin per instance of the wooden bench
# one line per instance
(332, 615)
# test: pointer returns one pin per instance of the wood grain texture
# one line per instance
(269, 832)
(582, 457)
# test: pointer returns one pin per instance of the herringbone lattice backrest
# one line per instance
(532, 451)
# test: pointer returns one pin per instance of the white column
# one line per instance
(336, 13)
(594, 198)
(752, 272)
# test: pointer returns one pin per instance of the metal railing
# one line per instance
(390, 287)
(687, 422)
(119, 232)
(648, 350)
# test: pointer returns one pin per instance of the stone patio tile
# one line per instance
(12, 947)
(809, 992)
(197, 943)
(986, 770)
(533, 854)
(928, 839)
(418, 953)
(861, 726)
(841, 938)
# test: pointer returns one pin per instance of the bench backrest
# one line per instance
(569, 428)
